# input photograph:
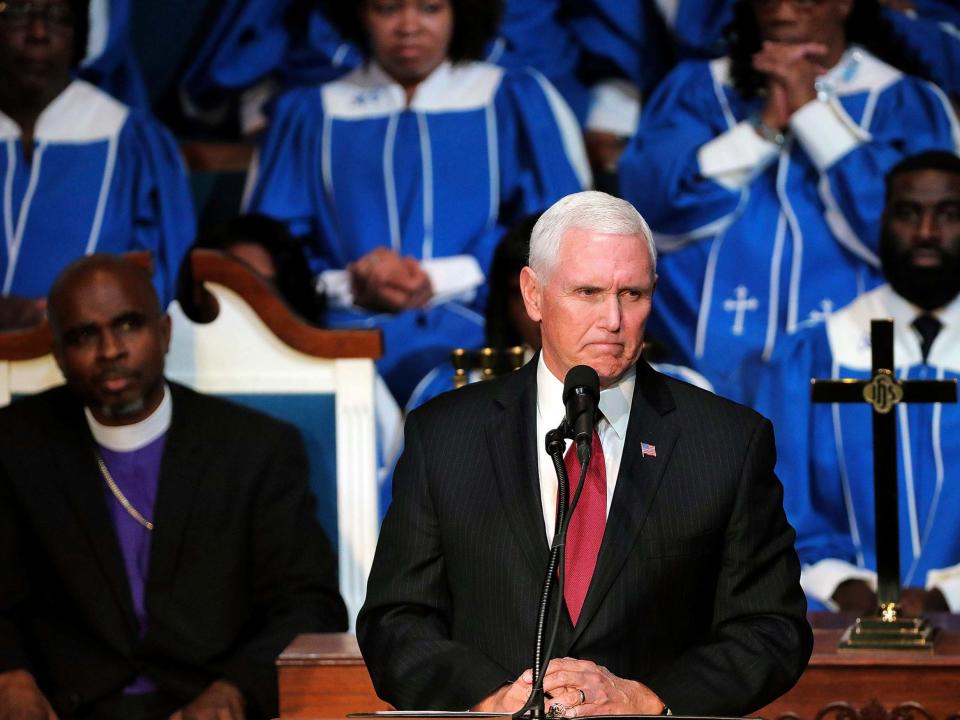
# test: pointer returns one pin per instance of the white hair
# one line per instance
(588, 210)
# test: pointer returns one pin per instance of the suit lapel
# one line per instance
(84, 487)
(637, 483)
(181, 471)
(513, 451)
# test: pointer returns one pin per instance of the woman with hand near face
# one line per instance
(762, 175)
(401, 176)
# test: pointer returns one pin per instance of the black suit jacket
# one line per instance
(238, 565)
(696, 589)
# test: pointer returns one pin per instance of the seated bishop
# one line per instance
(158, 547)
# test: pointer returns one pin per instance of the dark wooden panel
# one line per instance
(216, 157)
(324, 676)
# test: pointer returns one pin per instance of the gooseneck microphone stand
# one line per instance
(543, 647)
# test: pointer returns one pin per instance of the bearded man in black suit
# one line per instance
(683, 587)
(158, 548)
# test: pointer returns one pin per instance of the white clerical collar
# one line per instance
(615, 401)
(127, 438)
(903, 312)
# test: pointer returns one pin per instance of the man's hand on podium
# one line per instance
(586, 688)
(581, 688)
(508, 698)
(21, 699)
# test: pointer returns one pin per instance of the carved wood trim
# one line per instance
(216, 267)
(26, 344)
(216, 156)
(874, 710)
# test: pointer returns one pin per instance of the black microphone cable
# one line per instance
(533, 707)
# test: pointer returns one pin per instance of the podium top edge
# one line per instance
(438, 714)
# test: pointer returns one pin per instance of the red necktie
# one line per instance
(585, 531)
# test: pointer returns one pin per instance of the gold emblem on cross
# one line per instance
(883, 392)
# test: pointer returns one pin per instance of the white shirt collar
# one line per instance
(905, 312)
(127, 438)
(949, 314)
(615, 401)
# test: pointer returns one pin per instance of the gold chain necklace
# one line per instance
(118, 494)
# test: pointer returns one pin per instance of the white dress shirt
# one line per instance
(615, 402)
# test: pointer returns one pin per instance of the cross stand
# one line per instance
(885, 629)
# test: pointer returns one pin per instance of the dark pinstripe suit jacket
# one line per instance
(696, 589)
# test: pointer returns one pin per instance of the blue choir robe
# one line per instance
(102, 178)
(110, 62)
(640, 41)
(625, 32)
(932, 31)
(698, 26)
(825, 451)
(534, 33)
(293, 42)
(641, 38)
(625, 51)
(697, 29)
(757, 238)
(349, 167)
(290, 40)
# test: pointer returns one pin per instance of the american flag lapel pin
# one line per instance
(648, 450)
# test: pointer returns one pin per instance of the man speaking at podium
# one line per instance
(682, 585)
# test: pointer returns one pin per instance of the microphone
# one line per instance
(581, 392)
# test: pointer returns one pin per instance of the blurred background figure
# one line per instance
(931, 29)
(628, 47)
(266, 247)
(79, 171)
(824, 451)
(761, 174)
(110, 59)
(260, 48)
(401, 176)
(256, 49)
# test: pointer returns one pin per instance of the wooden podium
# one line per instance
(324, 676)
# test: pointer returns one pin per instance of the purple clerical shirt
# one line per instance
(136, 473)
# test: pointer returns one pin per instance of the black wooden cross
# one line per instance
(884, 392)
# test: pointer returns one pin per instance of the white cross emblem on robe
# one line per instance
(740, 305)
